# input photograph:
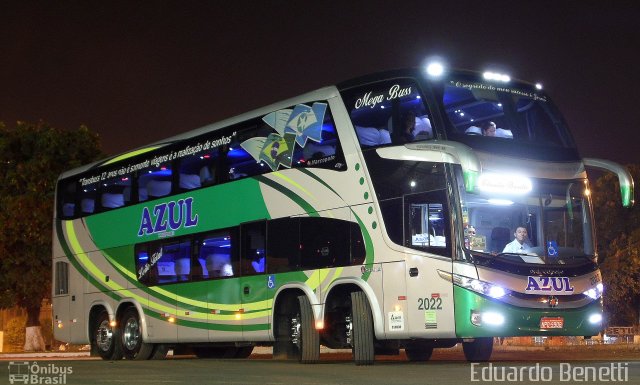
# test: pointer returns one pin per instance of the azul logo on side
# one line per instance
(546, 285)
(168, 216)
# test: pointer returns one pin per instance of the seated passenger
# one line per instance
(414, 128)
(519, 245)
(371, 136)
(488, 128)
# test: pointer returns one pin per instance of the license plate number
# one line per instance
(551, 323)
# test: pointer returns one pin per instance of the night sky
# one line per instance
(138, 72)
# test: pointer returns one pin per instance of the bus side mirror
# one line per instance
(624, 176)
(454, 153)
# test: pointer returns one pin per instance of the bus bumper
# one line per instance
(479, 316)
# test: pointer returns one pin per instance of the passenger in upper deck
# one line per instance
(488, 128)
(415, 128)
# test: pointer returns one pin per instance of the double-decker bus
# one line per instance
(412, 209)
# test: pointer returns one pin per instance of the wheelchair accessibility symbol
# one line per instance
(271, 282)
(552, 249)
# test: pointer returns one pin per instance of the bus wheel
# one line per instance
(361, 330)
(304, 334)
(243, 352)
(106, 338)
(133, 346)
(159, 352)
(296, 335)
(479, 350)
(418, 352)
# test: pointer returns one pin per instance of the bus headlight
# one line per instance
(595, 292)
(482, 287)
(595, 318)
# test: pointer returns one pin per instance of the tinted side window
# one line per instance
(324, 242)
(283, 245)
(253, 258)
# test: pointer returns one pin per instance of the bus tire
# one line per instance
(106, 338)
(133, 347)
(309, 339)
(418, 352)
(295, 334)
(159, 352)
(243, 352)
(478, 350)
(362, 330)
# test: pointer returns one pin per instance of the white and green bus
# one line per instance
(410, 209)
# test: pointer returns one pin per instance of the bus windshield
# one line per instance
(487, 115)
(549, 225)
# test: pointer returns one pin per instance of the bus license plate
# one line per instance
(551, 323)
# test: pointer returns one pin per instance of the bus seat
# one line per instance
(502, 133)
(142, 194)
(158, 188)
(87, 205)
(205, 175)
(68, 209)
(182, 268)
(473, 130)
(500, 236)
(189, 181)
(111, 201)
(219, 265)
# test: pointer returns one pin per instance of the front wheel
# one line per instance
(478, 350)
(134, 348)
(418, 352)
(105, 339)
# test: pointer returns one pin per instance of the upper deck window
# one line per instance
(484, 112)
(390, 112)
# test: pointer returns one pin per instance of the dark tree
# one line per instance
(618, 231)
(32, 158)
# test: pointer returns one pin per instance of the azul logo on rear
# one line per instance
(547, 285)
(169, 216)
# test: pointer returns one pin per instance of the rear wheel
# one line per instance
(244, 352)
(159, 352)
(134, 348)
(296, 335)
(361, 330)
(478, 350)
(105, 339)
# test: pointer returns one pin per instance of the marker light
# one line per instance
(595, 318)
(595, 292)
(496, 76)
(112, 324)
(504, 183)
(435, 69)
(538, 86)
(319, 325)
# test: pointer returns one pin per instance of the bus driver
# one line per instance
(520, 244)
